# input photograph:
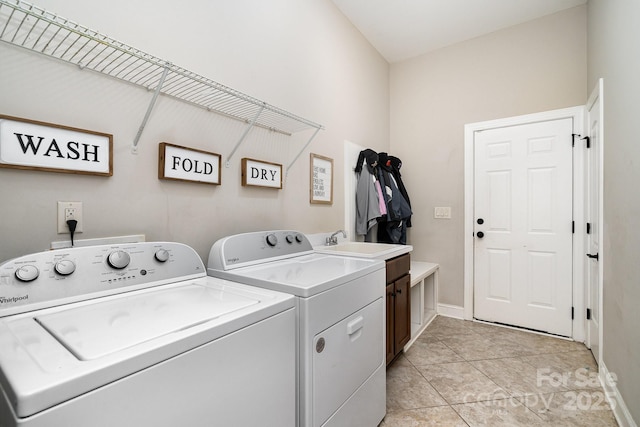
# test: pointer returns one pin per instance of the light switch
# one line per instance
(442, 212)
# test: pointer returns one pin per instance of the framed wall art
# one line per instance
(321, 182)
(257, 173)
(33, 145)
(188, 164)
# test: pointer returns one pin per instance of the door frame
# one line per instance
(577, 114)
(597, 95)
(351, 153)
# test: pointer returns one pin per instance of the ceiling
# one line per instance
(402, 29)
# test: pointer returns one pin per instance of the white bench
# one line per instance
(424, 297)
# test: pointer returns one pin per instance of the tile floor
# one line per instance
(462, 373)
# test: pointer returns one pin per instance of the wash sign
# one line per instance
(188, 164)
(28, 144)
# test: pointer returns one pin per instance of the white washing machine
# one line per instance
(341, 321)
(139, 335)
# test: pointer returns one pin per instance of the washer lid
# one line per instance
(96, 330)
(40, 351)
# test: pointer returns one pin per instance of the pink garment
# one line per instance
(381, 203)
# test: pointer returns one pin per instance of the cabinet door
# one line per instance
(402, 307)
(390, 300)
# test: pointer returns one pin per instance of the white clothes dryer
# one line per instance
(139, 335)
(341, 321)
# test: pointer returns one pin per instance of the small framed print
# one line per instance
(32, 145)
(188, 164)
(256, 173)
(321, 183)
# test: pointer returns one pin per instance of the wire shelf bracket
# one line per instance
(134, 147)
(301, 151)
(244, 135)
(25, 25)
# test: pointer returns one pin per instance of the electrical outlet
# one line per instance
(67, 211)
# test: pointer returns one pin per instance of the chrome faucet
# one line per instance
(333, 240)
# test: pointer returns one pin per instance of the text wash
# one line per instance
(71, 150)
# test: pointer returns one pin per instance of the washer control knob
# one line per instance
(299, 238)
(289, 238)
(27, 273)
(118, 259)
(272, 240)
(65, 267)
(162, 255)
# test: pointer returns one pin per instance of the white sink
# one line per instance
(365, 250)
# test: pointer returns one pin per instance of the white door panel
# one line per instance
(523, 206)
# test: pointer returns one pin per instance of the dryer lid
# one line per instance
(304, 275)
(95, 330)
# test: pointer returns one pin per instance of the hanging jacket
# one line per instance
(396, 164)
(394, 225)
(397, 206)
(367, 207)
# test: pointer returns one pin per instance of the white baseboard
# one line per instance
(618, 406)
(451, 311)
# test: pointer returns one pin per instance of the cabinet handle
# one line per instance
(399, 291)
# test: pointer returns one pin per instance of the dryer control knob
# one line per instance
(118, 259)
(289, 238)
(65, 267)
(162, 255)
(299, 238)
(272, 240)
(27, 273)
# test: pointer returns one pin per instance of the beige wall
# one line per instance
(304, 57)
(533, 67)
(614, 43)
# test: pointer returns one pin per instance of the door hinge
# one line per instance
(588, 228)
(572, 312)
(588, 141)
(573, 226)
(588, 314)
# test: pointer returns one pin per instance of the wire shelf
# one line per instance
(28, 26)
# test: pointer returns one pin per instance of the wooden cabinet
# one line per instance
(398, 305)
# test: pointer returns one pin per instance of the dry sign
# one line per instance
(28, 144)
(187, 164)
(261, 174)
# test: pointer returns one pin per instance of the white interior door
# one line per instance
(593, 218)
(523, 225)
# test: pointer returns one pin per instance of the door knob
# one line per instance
(480, 234)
